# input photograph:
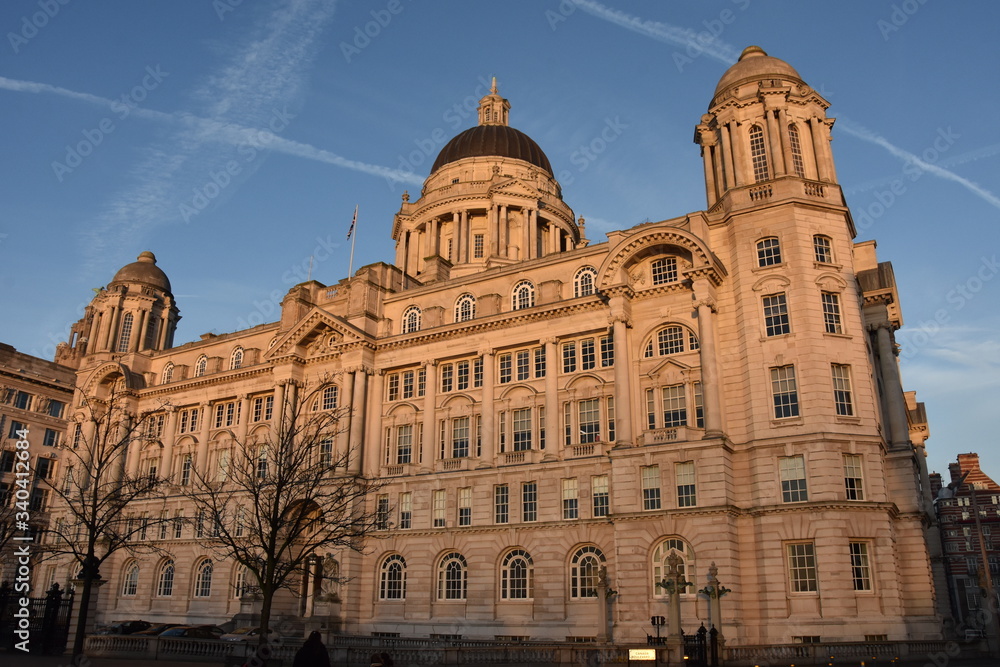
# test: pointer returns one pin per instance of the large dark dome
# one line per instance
(492, 140)
(144, 270)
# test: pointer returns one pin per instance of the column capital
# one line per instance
(430, 363)
(624, 319)
(486, 351)
(549, 339)
(707, 301)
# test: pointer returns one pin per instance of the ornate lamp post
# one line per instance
(674, 584)
(714, 591)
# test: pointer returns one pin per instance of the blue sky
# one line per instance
(234, 139)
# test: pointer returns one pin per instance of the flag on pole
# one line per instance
(353, 222)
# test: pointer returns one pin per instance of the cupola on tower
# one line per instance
(764, 123)
(136, 312)
(491, 199)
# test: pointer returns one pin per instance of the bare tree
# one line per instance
(91, 517)
(283, 497)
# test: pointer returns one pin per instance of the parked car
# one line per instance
(250, 635)
(194, 632)
(156, 629)
(124, 628)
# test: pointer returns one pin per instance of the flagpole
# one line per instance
(354, 237)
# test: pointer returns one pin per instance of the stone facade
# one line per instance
(558, 418)
(34, 395)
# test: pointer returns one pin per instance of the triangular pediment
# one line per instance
(669, 368)
(516, 188)
(318, 333)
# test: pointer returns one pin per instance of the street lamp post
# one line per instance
(714, 591)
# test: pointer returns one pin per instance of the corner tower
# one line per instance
(764, 124)
(136, 312)
(491, 200)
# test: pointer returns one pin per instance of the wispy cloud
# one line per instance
(963, 158)
(865, 134)
(663, 32)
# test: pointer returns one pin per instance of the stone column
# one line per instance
(138, 339)
(533, 234)
(347, 418)
(244, 423)
(710, 385)
(623, 391)
(113, 332)
(899, 432)
(711, 194)
(356, 441)
(525, 234)
(504, 231)
(434, 242)
(94, 332)
(466, 235)
(430, 404)
(373, 417)
(487, 412)
(494, 231)
(169, 436)
(774, 137)
(201, 453)
(457, 235)
(786, 144)
(741, 163)
(727, 158)
(553, 438)
(816, 129)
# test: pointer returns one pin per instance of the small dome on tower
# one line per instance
(145, 271)
(754, 64)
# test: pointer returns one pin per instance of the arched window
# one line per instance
(465, 308)
(452, 577)
(201, 366)
(240, 585)
(796, 145)
(327, 400)
(664, 270)
(671, 339)
(823, 247)
(523, 295)
(585, 281)
(130, 580)
(168, 373)
(236, 359)
(165, 580)
(758, 154)
(392, 578)
(151, 330)
(768, 251)
(126, 333)
(411, 320)
(203, 580)
(517, 576)
(585, 572)
(660, 562)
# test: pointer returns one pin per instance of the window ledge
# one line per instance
(786, 421)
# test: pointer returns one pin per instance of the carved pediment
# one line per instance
(318, 333)
(516, 188)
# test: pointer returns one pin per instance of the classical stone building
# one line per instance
(968, 509)
(34, 394)
(560, 418)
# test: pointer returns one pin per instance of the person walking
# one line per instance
(313, 653)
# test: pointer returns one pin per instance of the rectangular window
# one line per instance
(462, 372)
(853, 482)
(831, 313)
(439, 508)
(568, 423)
(447, 377)
(539, 362)
(51, 438)
(523, 365)
(650, 409)
(802, 567)
(684, 473)
(792, 471)
(393, 385)
(842, 399)
(699, 406)
(588, 354)
(501, 503)
(651, 487)
(590, 420)
(22, 400)
(189, 420)
(569, 357)
(522, 429)
(664, 271)
(674, 406)
(465, 506)
(784, 392)
(541, 427)
(43, 467)
(178, 525)
(607, 351)
(408, 388)
(477, 372)
(405, 510)
(460, 437)
(56, 408)
(824, 249)
(570, 499)
(529, 501)
(478, 246)
(421, 381)
(404, 444)
(776, 314)
(611, 418)
(505, 368)
(861, 571)
(382, 512)
(601, 498)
